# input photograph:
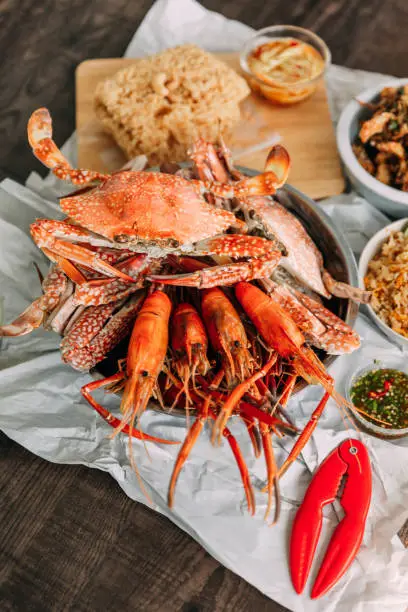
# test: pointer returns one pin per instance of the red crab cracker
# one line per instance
(351, 460)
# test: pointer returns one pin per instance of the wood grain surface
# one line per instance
(69, 537)
(306, 130)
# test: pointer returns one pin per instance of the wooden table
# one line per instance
(69, 538)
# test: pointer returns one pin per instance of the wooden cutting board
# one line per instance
(305, 129)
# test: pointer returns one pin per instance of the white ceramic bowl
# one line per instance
(372, 247)
(391, 201)
(395, 363)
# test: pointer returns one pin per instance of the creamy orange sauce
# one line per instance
(285, 61)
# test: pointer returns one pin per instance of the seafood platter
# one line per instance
(146, 254)
(211, 292)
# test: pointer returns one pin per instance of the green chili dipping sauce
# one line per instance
(382, 397)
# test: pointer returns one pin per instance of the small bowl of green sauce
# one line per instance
(378, 395)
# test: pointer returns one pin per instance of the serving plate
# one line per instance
(337, 254)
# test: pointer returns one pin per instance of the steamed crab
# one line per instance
(91, 323)
(94, 247)
(301, 257)
(153, 213)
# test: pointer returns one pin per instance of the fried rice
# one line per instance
(387, 278)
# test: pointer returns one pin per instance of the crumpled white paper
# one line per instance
(42, 409)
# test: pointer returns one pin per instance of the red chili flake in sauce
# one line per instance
(387, 386)
(259, 50)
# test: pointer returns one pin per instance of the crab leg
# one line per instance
(61, 316)
(299, 312)
(39, 131)
(264, 255)
(66, 266)
(57, 288)
(96, 331)
(111, 256)
(303, 259)
(320, 326)
(42, 233)
(108, 254)
(343, 290)
(107, 290)
(208, 164)
(338, 337)
(86, 391)
(226, 156)
(31, 318)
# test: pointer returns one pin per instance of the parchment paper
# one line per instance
(41, 406)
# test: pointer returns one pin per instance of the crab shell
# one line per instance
(146, 209)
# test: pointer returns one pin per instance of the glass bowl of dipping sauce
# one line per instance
(285, 63)
(378, 396)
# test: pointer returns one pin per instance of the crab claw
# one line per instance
(278, 162)
(343, 290)
(276, 173)
(25, 323)
(39, 127)
(39, 132)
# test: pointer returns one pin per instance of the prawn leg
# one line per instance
(253, 433)
(235, 397)
(272, 472)
(86, 391)
(305, 435)
(191, 438)
(243, 469)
